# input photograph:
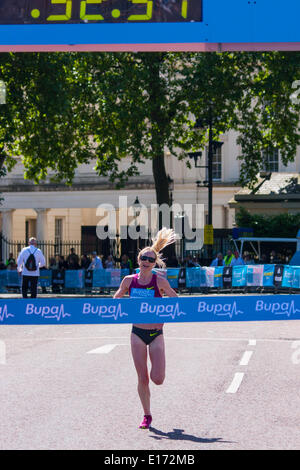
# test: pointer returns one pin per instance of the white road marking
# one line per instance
(2, 352)
(236, 382)
(106, 349)
(246, 358)
(252, 342)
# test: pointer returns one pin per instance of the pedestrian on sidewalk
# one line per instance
(29, 262)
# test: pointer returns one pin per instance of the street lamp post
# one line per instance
(171, 189)
(136, 210)
(210, 173)
(212, 145)
(181, 217)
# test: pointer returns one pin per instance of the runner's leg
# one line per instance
(139, 354)
(158, 360)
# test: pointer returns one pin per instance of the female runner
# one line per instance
(146, 284)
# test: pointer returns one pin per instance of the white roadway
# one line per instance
(228, 386)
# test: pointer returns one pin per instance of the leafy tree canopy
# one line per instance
(279, 226)
(65, 109)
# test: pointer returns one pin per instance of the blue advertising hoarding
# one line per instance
(149, 310)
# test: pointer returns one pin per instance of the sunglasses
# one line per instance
(148, 258)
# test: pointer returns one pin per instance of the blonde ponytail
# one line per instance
(165, 237)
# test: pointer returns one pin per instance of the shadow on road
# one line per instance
(178, 435)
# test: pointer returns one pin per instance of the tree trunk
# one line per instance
(160, 179)
(157, 91)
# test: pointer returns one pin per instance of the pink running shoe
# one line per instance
(145, 424)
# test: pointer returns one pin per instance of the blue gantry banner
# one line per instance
(142, 23)
(51, 311)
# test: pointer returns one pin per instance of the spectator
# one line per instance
(263, 259)
(73, 259)
(109, 263)
(288, 256)
(72, 265)
(85, 262)
(237, 260)
(218, 261)
(126, 263)
(195, 261)
(248, 259)
(228, 258)
(53, 264)
(11, 262)
(2, 265)
(191, 262)
(275, 258)
(62, 264)
(96, 262)
(30, 260)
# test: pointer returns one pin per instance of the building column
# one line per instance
(42, 224)
(7, 231)
(7, 223)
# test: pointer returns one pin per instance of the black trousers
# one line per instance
(33, 281)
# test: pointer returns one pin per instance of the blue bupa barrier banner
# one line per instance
(239, 274)
(13, 279)
(268, 275)
(173, 276)
(45, 278)
(74, 279)
(152, 310)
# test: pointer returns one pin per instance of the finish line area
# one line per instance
(74, 386)
(87, 310)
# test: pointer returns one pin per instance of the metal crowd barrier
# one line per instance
(257, 278)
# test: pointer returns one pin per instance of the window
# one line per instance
(58, 230)
(216, 162)
(270, 159)
(30, 229)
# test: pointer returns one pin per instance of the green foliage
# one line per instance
(277, 226)
(65, 109)
(39, 120)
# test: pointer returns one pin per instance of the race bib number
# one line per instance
(137, 292)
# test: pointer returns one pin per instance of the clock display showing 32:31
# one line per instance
(99, 11)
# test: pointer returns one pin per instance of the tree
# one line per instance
(66, 109)
(138, 109)
(146, 103)
(39, 120)
(249, 93)
(279, 225)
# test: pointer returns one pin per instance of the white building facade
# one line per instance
(59, 213)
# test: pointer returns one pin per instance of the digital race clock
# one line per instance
(99, 11)
(149, 25)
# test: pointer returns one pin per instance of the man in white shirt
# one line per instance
(29, 262)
